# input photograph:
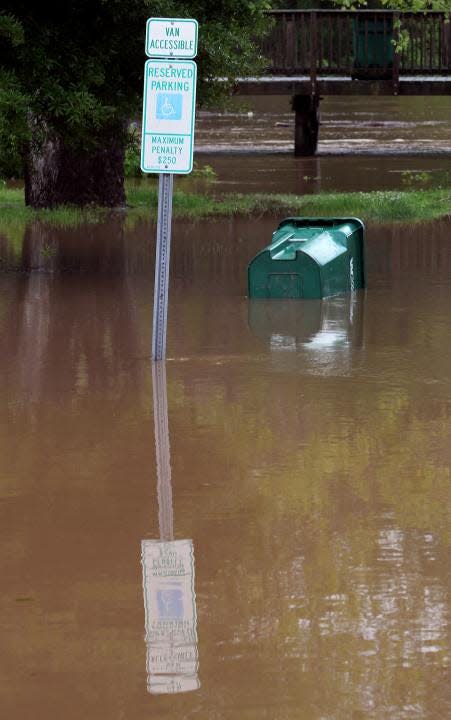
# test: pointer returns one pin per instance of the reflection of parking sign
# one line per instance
(170, 603)
(169, 106)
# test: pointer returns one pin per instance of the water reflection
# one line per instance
(58, 349)
(170, 611)
(321, 504)
(325, 333)
(168, 576)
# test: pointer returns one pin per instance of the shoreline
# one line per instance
(322, 152)
(409, 206)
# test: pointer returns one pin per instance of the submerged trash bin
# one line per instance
(373, 47)
(310, 258)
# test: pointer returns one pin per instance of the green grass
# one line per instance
(407, 206)
(142, 199)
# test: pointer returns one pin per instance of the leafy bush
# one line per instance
(133, 155)
(13, 127)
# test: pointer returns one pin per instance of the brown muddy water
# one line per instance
(364, 144)
(299, 476)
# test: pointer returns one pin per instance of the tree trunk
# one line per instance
(57, 173)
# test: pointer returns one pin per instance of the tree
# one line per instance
(71, 79)
(401, 5)
(403, 37)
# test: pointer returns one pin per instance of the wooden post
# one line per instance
(306, 124)
(446, 30)
(314, 51)
(396, 56)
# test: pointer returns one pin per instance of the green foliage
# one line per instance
(48, 252)
(204, 171)
(302, 4)
(410, 178)
(132, 167)
(227, 45)
(13, 127)
(401, 5)
(79, 64)
(11, 30)
(401, 40)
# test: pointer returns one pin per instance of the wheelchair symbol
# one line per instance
(169, 106)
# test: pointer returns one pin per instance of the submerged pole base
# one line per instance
(306, 124)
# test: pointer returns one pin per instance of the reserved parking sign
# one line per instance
(168, 116)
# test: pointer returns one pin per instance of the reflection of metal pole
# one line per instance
(162, 258)
(168, 576)
(163, 453)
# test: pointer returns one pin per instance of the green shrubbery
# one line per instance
(13, 129)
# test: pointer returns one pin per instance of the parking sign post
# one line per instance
(167, 138)
(162, 261)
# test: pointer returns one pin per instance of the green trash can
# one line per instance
(310, 258)
(373, 47)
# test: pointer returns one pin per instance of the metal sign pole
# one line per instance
(162, 259)
(163, 452)
(167, 146)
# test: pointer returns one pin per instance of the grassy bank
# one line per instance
(393, 206)
(408, 206)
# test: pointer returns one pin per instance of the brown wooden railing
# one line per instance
(358, 43)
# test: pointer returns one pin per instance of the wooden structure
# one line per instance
(338, 52)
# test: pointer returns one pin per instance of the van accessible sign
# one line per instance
(171, 37)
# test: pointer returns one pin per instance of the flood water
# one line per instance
(298, 477)
(365, 143)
